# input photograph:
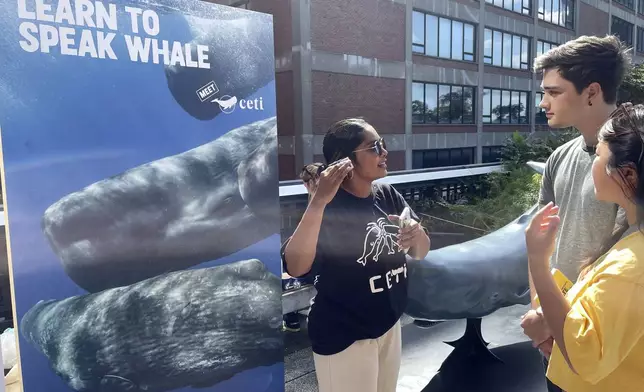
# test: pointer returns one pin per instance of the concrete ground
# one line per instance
(424, 351)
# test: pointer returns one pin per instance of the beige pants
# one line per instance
(369, 365)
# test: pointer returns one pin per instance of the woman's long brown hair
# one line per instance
(623, 134)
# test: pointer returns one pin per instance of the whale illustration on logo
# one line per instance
(226, 103)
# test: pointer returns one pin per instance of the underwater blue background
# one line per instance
(67, 122)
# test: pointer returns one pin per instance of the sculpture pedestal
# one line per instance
(520, 369)
(469, 348)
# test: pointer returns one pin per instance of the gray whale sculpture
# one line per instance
(475, 278)
(241, 54)
(191, 328)
(170, 214)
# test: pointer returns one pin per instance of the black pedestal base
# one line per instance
(469, 348)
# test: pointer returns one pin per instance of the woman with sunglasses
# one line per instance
(598, 326)
(349, 238)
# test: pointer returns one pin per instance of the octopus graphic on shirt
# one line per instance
(380, 235)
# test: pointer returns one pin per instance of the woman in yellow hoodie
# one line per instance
(598, 326)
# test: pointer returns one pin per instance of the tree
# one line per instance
(632, 89)
(508, 111)
(519, 149)
(418, 107)
(511, 192)
(458, 102)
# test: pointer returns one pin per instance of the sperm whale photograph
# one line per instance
(143, 219)
(163, 216)
(244, 64)
(201, 326)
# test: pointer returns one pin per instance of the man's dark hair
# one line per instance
(589, 59)
(343, 138)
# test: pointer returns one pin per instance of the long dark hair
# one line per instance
(623, 134)
(342, 138)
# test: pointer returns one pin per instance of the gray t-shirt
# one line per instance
(586, 223)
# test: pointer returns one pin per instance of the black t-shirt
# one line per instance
(360, 275)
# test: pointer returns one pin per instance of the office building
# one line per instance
(444, 81)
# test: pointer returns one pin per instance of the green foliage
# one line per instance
(456, 101)
(510, 195)
(520, 149)
(517, 189)
(632, 89)
(511, 192)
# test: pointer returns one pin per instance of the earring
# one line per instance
(590, 103)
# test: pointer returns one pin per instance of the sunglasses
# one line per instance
(378, 147)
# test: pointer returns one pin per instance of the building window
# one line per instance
(518, 6)
(444, 157)
(540, 113)
(640, 7)
(442, 37)
(559, 12)
(241, 4)
(505, 106)
(492, 154)
(623, 30)
(627, 3)
(544, 47)
(640, 39)
(442, 104)
(506, 50)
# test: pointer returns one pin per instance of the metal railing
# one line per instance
(295, 188)
(447, 183)
(415, 185)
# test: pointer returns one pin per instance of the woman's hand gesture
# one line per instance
(541, 232)
(330, 180)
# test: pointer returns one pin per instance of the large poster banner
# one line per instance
(139, 146)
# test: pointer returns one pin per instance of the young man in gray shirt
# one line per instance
(580, 83)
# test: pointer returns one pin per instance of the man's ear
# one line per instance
(594, 91)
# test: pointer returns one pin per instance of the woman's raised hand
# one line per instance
(330, 180)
